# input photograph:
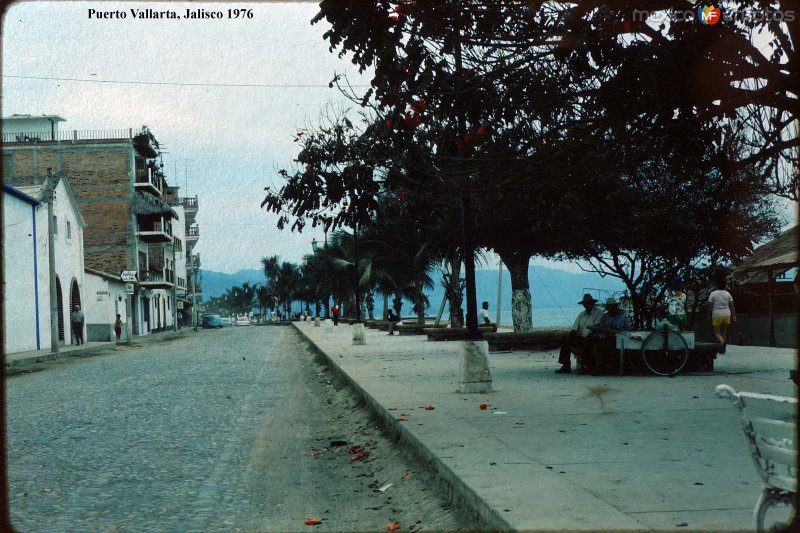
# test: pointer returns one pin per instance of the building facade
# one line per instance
(26, 264)
(118, 180)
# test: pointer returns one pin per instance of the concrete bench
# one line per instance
(542, 339)
(417, 329)
(452, 334)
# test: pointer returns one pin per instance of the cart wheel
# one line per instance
(665, 352)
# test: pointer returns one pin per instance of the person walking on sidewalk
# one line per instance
(335, 314)
(118, 327)
(721, 312)
(578, 338)
(76, 320)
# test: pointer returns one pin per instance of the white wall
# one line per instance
(21, 292)
(104, 299)
(69, 254)
(29, 125)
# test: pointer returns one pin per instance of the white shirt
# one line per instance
(584, 320)
(483, 317)
(720, 301)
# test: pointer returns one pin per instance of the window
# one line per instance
(55, 225)
(69, 230)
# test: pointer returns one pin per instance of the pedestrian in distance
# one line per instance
(393, 319)
(76, 320)
(579, 337)
(483, 317)
(721, 312)
(118, 327)
(335, 314)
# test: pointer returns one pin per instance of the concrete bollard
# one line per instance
(473, 368)
(359, 337)
(316, 321)
(328, 326)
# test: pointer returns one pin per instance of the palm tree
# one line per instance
(240, 299)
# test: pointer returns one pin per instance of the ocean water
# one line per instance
(541, 317)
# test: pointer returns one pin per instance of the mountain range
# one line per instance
(550, 287)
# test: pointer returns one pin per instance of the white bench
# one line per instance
(769, 425)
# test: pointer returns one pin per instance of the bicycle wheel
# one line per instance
(665, 352)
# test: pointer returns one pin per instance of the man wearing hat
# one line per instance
(614, 320)
(578, 337)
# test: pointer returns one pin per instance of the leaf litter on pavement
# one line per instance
(370, 462)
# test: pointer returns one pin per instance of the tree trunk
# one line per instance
(420, 306)
(521, 304)
(455, 294)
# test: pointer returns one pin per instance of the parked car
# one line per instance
(212, 321)
(226, 322)
(243, 322)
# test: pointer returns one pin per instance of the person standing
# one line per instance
(483, 317)
(76, 320)
(676, 305)
(335, 314)
(721, 312)
(118, 327)
(578, 337)
(393, 319)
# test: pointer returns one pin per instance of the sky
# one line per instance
(223, 143)
(223, 97)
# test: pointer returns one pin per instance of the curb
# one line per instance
(60, 355)
(463, 497)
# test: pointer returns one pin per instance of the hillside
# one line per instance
(550, 287)
(216, 283)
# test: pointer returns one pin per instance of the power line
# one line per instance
(185, 84)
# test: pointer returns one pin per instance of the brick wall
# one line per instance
(111, 261)
(100, 178)
(101, 181)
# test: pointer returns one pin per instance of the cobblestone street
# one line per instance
(225, 430)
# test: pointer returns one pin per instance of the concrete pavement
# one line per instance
(568, 452)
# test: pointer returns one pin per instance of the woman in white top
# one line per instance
(721, 313)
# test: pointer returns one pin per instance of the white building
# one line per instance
(25, 273)
(105, 299)
(26, 263)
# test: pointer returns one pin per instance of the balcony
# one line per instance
(155, 278)
(154, 231)
(146, 144)
(189, 209)
(198, 291)
(192, 234)
(148, 180)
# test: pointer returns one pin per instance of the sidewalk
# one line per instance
(70, 350)
(556, 452)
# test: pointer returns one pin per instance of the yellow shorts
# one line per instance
(719, 320)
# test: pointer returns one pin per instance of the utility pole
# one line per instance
(195, 267)
(51, 257)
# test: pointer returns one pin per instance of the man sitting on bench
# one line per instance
(578, 337)
(614, 321)
(483, 317)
